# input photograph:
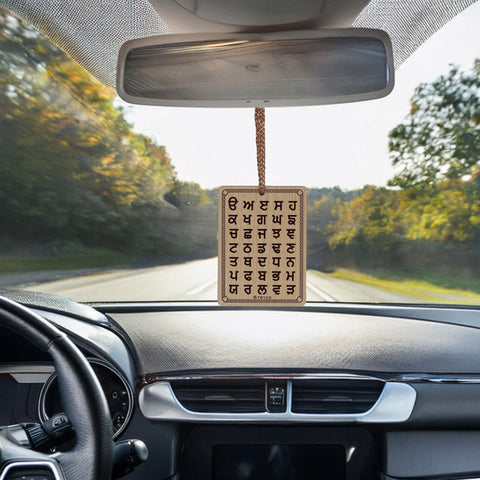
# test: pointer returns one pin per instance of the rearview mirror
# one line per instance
(307, 67)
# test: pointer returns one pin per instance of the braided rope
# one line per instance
(260, 138)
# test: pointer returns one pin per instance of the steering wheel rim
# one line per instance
(82, 398)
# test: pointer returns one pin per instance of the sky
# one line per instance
(324, 146)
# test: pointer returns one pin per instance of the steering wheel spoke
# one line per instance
(18, 463)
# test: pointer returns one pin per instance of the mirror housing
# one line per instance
(292, 68)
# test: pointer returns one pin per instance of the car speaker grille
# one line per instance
(334, 396)
(219, 396)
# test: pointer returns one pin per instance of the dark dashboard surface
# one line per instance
(182, 341)
(433, 352)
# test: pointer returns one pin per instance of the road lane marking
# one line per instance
(320, 293)
(202, 287)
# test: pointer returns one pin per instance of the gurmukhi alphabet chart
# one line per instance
(262, 246)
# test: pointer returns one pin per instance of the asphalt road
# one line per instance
(197, 280)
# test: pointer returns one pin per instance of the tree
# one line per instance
(187, 194)
(449, 215)
(440, 137)
(71, 166)
(367, 219)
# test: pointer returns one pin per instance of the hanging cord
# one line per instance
(260, 130)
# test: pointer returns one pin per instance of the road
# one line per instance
(197, 280)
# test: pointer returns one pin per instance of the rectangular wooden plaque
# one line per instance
(262, 246)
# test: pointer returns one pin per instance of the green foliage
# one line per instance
(71, 167)
(410, 228)
(439, 139)
(367, 217)
(450, 214)
(186, 194)
(432, 221)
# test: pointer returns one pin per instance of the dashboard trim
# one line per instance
(52, 466)
(152, 378)
(394, 405)
(410, 378)
(27, 373)
(440, 379)
(384, 476)
(39, 373)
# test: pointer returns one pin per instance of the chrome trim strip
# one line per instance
(26, 368)
(264, 376)
(426, 378)
(27, 373)
(401, 377)
(30, 377)
(11, 368)
(33, 464)
(395, 404)
(289, 395)
(383, 476)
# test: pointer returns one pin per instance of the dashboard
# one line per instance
(341, 392)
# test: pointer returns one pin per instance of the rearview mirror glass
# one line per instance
(251, 70)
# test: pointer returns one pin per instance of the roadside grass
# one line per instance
(432, 287)
(95, 259)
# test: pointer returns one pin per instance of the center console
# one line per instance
(278, 453)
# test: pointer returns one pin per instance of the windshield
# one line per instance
(104, 201)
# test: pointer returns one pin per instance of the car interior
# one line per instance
(193, 390)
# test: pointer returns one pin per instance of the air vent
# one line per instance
(219, 396)
(334, 396)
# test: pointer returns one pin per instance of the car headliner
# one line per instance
(92, 31)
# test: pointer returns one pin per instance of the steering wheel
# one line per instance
(82, 398)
